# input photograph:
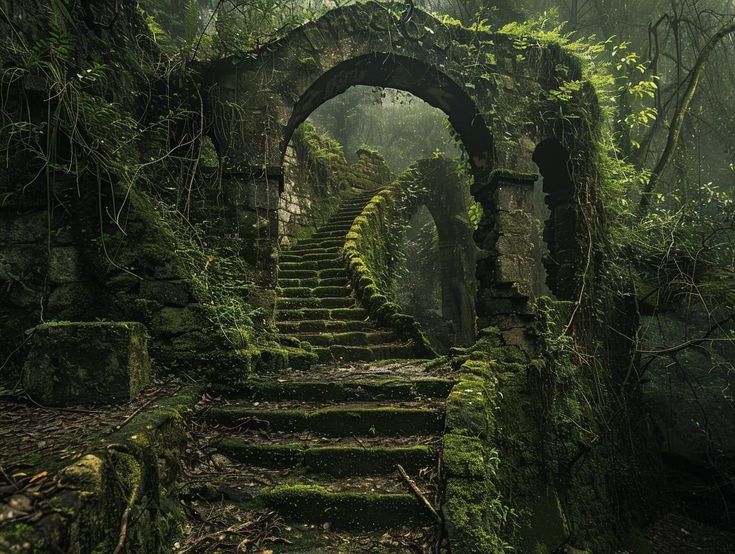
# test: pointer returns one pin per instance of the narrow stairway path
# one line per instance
(306, 462)
(316, 303)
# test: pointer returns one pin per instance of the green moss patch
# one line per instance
(313, 504)
(336, 421)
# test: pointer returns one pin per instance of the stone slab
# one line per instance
(86, 362)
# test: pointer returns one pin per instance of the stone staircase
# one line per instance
(316, 303)
(320, 450)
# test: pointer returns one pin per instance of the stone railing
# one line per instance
(370, 252)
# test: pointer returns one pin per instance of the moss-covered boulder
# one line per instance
(97, 362)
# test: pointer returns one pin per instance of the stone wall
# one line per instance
(125, 232)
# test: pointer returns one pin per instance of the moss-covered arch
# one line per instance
(504, 93)
(391, 70)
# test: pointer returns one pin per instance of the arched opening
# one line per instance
(433, 278)
(560, 228)
(361, 139)
(390, 70)
(435, 273)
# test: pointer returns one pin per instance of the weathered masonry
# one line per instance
(499, 107)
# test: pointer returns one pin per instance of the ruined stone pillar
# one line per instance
(505, 236)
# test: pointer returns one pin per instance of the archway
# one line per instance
(400, 72)
(499, 107)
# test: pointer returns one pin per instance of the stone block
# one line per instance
(516, 224)
(514, 245)
(172, 321)
(511, 198)
(22, 262)
(169, 293)
(97, 362)
(25, 228)
(63, 265)
(514, 269)
(256, 196)
(68, 299)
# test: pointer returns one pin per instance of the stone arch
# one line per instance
(440, 188)
(456, 262)
(390, 70)
(500, 112)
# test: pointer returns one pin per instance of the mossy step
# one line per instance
(344, 353)
(293, 314)
(317, 256)
(337, 421)
(314, 292)
(356, 202)
(338, 461)
(356, 338)
(341, 219)
(328, 390)
(349, 212)
(334, 263)
(341, 227)
(301, 248)
(330, 273)
(313, 282)
(310, 326)
(298, 249)
(285, 303)
(323, 243)
(340, 234)
(343, 510)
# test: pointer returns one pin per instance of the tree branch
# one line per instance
(677, 121)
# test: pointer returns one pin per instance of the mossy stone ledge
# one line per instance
(101, 362)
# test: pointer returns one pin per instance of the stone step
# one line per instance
(329, 389)
(312, 282)
(339, 234)
(355, 338)
(343, 227)
(307, 256)
(349, 212)
(341, 219)
(299, 249)
(343, 510)
(356, 202)
(338, 420)
(323, 243)
(342, 353)
(314, 292)
(328, 302)
(314, 325)
(330, 273)
(337, 460)
(312, 264)
(344, 314)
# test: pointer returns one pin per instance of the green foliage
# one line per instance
(401, 126)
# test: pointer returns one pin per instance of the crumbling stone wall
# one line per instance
(83, 241)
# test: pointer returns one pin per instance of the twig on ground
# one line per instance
(140, 408)
(417, 492)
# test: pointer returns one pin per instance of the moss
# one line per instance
(475, 517)
(20, 537)
(315, 504)
(268, 455)
(337, 421)
(464, 457)
(92, 362)
(470, 407)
